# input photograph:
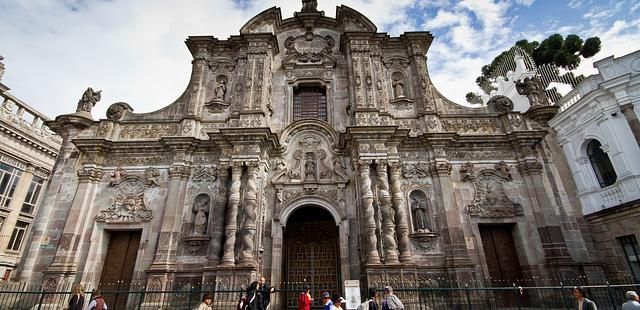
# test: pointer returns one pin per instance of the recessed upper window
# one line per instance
(309, 102)
(601, 164)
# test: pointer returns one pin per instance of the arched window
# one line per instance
(309, 102)
(601, 164)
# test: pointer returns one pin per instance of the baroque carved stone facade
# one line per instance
(217, 181)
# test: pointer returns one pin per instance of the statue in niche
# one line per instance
(309, 168)
(221, 89)
(398, 85)
(420, 210)
(201, 210)
(89, 99)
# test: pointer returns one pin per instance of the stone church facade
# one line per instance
(308, 149)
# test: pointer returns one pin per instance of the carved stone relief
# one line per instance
(128, 205)
(491, 199)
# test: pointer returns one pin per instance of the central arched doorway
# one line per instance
(310, 254)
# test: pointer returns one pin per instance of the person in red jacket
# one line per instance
(304, 302)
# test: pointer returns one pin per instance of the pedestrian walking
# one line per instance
(370, 303)
(304, 302)
(259, 294)
(206, 302)
(326, 301)
(336, 302)
(581, 299)
(391, 301)
(632, 301)
(97, 301)
(77, 298)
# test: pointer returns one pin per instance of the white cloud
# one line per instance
(525, 2)
(132, 50)
(443, 19)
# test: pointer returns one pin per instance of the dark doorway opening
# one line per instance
(119, 263)
(502, 261)
(310, 255)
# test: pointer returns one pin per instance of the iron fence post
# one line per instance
(468, 297)
(141, 298)
(613, 303)
(564, 297)
(41, 300)
(517, 297)
(190, 295)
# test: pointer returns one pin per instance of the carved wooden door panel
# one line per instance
(311, 257)
(117, 271)
(502, 260)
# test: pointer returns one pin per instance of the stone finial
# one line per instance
(500, 104)
(89, 99)
(309, 5)
(116, 111)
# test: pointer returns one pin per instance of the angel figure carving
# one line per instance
(89, 99)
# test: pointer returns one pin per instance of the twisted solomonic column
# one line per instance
(228, 257)
(401, 212)
(219, 206)
(388, 214)
(369, 223)
(247, 257)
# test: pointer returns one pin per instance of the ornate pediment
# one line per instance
(491, 199)
(205, 174)
(309, 48)
(415, 170)
(128, 206)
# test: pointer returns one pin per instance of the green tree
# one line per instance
(556, 50)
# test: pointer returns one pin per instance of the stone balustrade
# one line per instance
(28, 120)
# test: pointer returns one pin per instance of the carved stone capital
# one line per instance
(530, 167)
(180, 171)
(89, 174)
(442, 169)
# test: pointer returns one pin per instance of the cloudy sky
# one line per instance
(133, 50)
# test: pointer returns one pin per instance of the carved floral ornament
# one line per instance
(128, 205)
(491, 199)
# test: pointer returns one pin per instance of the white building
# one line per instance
(599, 131)
(28, 150)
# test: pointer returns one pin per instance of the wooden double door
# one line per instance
(502, 261)
(117, 271)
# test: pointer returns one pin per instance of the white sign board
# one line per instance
(352, 294)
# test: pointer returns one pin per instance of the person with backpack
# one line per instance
(304, 302)
(97, 301)
(391, 301)
(370, 303)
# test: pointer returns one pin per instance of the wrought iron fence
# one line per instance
(23, 296)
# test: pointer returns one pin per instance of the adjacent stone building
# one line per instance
(27, 153)
(312, 150)
(599, 132)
